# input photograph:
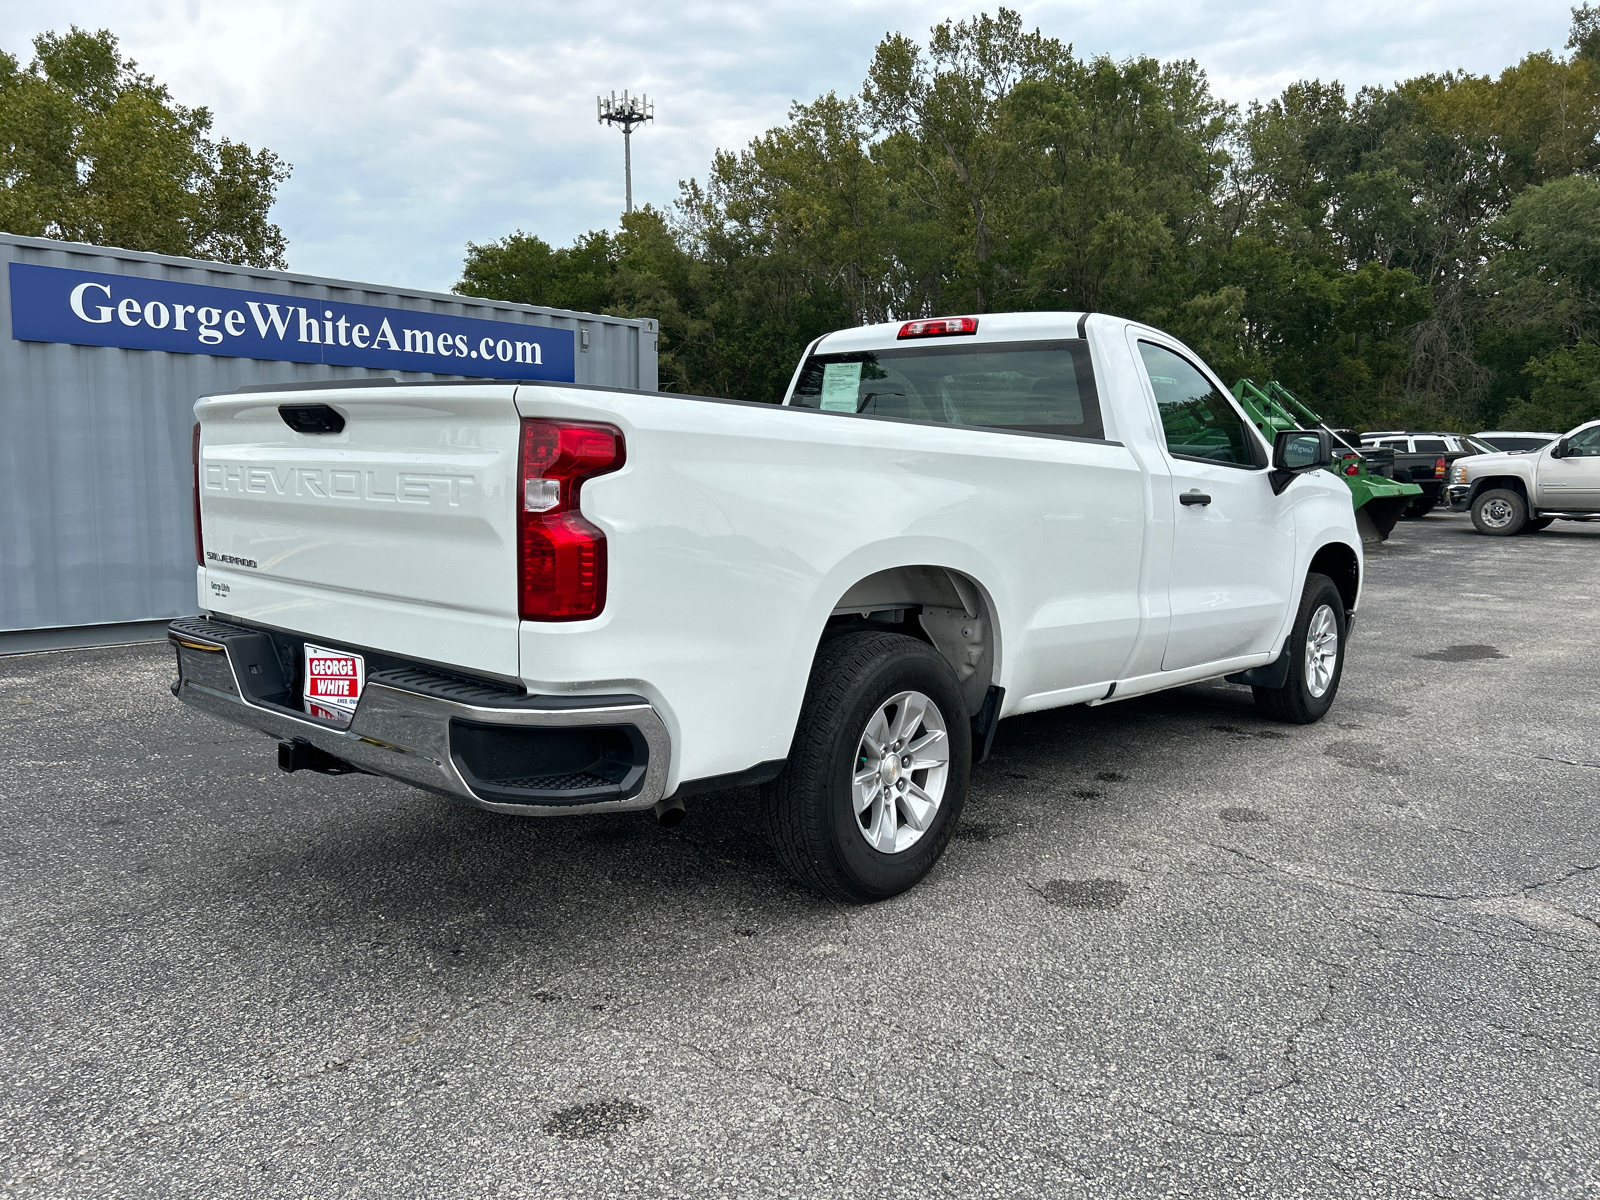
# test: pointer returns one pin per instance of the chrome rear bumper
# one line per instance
(402, 726)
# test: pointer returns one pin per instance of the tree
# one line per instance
(1565, 393)
(951, 139)
(1547, 273)
(91, 150)
(1543, 297)
(1427, 253)
(525, 270)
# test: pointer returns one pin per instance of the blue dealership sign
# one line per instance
(87, 308)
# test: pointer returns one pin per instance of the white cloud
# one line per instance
(416, 127)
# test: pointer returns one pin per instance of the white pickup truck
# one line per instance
(547, 599)
(1525, 490)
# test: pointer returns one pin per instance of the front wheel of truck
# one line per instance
(877, 774)
(1499, 512)
(1315, 647)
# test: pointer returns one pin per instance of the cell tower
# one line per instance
(626, 112)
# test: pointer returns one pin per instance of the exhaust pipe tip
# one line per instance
(670, 813)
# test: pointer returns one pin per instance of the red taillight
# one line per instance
(194, 458)
(1440, 469)
(561, 556)
(939, 327)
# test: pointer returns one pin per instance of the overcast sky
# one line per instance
(416, 127)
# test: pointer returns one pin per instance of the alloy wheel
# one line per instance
(902, 765)
(1322, 651)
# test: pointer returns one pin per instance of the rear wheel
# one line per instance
(1499, 512)
(1316, 658)
(877, 774)
(1421, 506)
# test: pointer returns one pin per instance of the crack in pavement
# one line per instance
(1447, 897)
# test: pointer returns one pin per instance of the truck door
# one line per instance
(1233, 541)
(1571, 482)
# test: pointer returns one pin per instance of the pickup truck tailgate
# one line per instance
(395, 533)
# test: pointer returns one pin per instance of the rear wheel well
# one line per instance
(1340, 564)
(936, 605)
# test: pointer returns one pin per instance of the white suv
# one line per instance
(1426, 443)
(1515, 439)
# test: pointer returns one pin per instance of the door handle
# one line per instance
(1194, 497)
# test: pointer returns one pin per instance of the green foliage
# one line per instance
(1566, 390)
(524, 269)
(93, 151)
(1425, 254)
(1547, 273)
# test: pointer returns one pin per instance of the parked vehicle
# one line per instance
(1514, 491)
(1424, 459)
(1513, 439)
(1377, 497)
(546, 599)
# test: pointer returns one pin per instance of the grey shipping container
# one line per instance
(95, 510)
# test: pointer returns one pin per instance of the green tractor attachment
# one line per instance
(1378, 500)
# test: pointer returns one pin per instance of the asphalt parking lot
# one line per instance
(1175, 950)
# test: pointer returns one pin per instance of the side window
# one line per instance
(1196, 418)
(1585, 444)
(1394, 443)
(1430, 445)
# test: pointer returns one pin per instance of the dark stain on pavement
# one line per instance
(1112, 777)
(973, 831)
(1241, 816)
(1455, 654)
(1084, 893)
(594, 1120)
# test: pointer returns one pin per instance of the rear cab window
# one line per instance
(1035, 387)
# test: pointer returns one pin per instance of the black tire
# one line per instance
(1537, 524)
(809, 809)
(1420, 507)
(1295, 702)
(1499, 512)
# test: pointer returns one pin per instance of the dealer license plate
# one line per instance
(333, 682)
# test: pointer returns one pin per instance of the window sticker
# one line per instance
(841, 386)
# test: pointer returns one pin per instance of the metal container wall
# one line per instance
(96, 520)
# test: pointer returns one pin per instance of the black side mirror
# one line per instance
(1561, 448)
(1296, 451)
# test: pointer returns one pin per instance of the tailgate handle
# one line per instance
(311, 418)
